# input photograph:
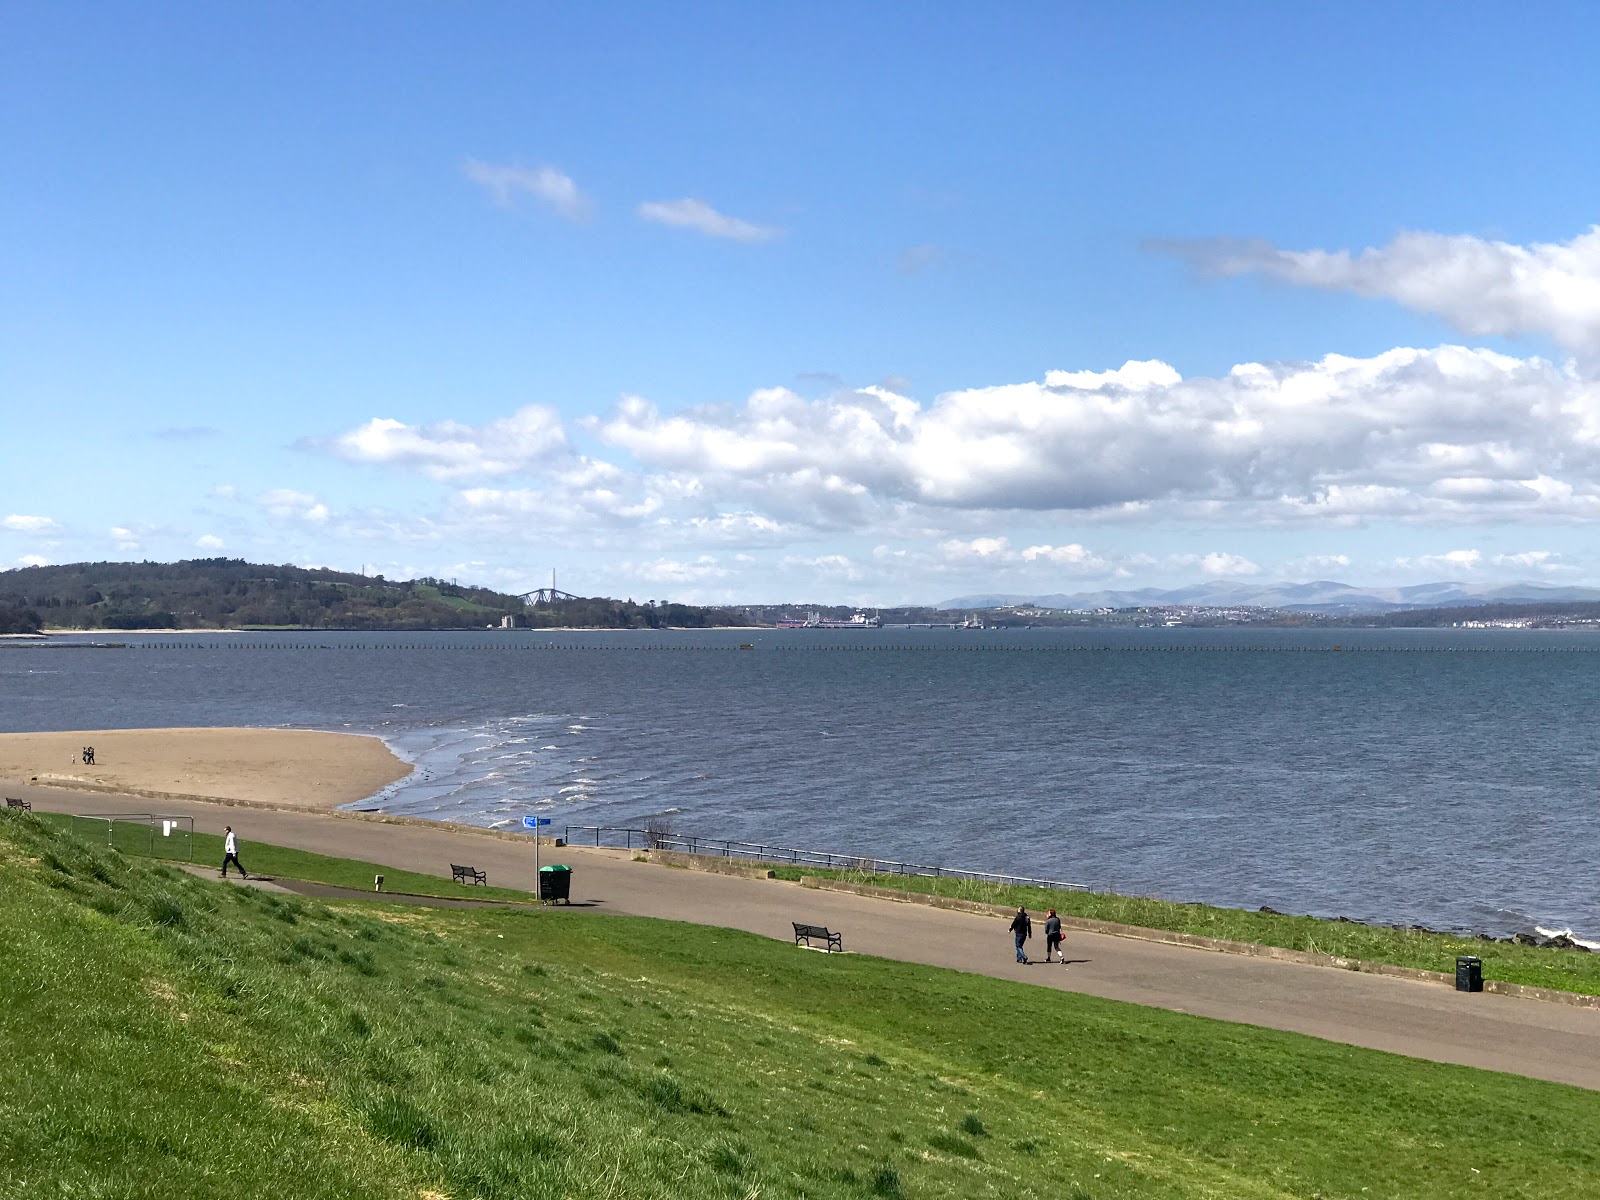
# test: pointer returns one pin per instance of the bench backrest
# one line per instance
(811, 930)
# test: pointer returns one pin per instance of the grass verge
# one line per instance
(1568, 970)
(264, 858)
(167, 1036)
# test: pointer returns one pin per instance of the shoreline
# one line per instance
(347, 774)
(303, 769)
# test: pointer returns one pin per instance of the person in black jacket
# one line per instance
(1052, 937)
(1022, 928)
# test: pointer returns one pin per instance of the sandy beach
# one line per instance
(291, 768)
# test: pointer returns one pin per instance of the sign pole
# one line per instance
(532, 824)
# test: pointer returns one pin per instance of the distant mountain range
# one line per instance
(1322, 596)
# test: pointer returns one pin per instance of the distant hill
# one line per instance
(229, 593)
(1322, 596)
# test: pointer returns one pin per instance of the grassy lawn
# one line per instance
(169, 1036)
(263, 858)
(459, 603)
(1569, 970)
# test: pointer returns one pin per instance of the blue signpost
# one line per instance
(533, 823)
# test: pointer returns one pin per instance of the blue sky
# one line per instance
(728, 302)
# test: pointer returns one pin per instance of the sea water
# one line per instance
(1440, 777)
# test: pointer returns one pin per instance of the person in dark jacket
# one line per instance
(1052, 938)
(1022, 929)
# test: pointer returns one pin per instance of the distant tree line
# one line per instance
(14, 619)
(224, 593)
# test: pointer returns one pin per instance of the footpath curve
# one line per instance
(1420, 1020)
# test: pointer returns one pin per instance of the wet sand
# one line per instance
(289, 768)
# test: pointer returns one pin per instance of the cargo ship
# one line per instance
(816, 621)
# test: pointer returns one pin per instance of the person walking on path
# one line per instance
(1022, 928)
(1052, 937)
(230, 852)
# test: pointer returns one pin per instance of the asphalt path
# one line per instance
(1420, 1020)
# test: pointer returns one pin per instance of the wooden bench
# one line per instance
(804, 933)
(469, 875)
(13, 802)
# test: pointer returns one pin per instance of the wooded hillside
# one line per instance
(229, 593)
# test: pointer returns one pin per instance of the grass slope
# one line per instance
(1569, 970)
(168, 1036)
(284, 862)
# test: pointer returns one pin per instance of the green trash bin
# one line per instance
(555, 883)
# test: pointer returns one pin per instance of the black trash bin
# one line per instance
(1469, 974)
(555, 883)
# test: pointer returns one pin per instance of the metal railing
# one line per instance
(625, 838)
(140, 833)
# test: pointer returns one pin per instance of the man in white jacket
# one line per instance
(230, 852)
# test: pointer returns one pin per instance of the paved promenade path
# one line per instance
(1427, 1021)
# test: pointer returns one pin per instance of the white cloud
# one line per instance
(289, 505)
(981, 549)
(552, 188)
(129, 538)
(1450, 560)
(19, 523)
(562, 505)
(209, 541)
(1425, 435)
(666, 570)
(836, 566)
(1534, 560)
(1316, 565)
(34, 560)
(1073, 557)
(1217, 564)
(452, 450)
(997, 553)
(1527, 558)
(702, 218)
(1133, 376)
(742, 527)
(1479, 286)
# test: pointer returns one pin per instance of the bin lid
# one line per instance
(555, 867)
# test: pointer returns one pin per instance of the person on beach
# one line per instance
(230, 852)
(1022, 930)
(1052, 937)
